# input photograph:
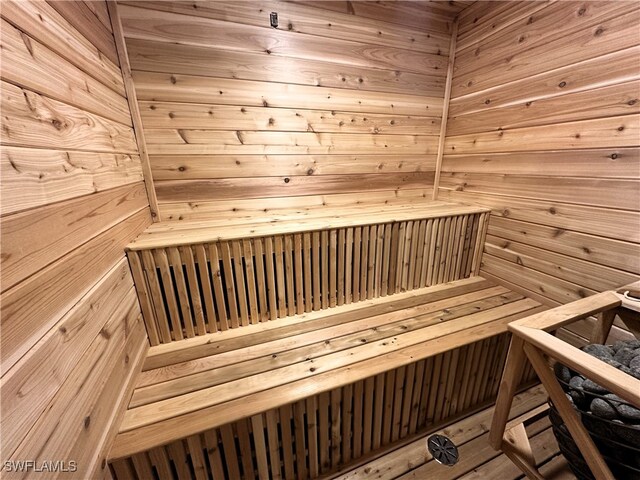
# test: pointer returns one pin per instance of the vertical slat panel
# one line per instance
(261, 285)
(178, 456)
(308, 292)
(155, 288)
(315, 247)
(416, 396)
(378, 261)
(386, 261)
(364, 262)
(419, 256)
(373, 239)
(407, 395)
(183, 295)
(348, 274)
(426, 389)
(218, 288)
(289, 275)
(324, 432)
(207, 289)
(142, 465)
(347, 414)
(325, 269)
(359, 420)
(244, 441)
(144, 297)
(282, 292)
(212, 442)
(287, 441)
(357, 247)
(298, 273)
(393, 258)
(197, 457)
(274, 444)
(399, 258)
(160, 257)
(257, 426)
(333, 268)
(231, 456)
(378, 414)
(398, 392)
(193, 288)
(336, 397)
(271, 279)
(160, 460)
(232, 302)
(241, 288)
(252, 294)
(387, 419)
(407, 259)
(312, 435)
(369, 419)
(341, 257)
(300, 431)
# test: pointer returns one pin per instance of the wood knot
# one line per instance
(562, 84)
(287, 180)
(614, 156)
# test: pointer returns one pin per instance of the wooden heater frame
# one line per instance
(533, 339)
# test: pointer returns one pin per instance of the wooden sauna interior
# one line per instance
(237, 250)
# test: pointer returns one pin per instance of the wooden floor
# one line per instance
(477, 460)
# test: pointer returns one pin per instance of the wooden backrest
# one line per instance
(194, 289)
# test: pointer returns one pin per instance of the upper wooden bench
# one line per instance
(200, 277)
(204, 382)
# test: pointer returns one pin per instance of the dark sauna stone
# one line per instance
(599, 351)
(603, 409)
(576, 382)
(632, 344)
(562, 372)
(625, 355)
(634, 372)
(635, 362)
(593, 387)
(628, 412)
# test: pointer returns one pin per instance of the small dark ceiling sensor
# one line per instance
(273, 18)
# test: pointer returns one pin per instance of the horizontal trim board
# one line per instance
(33, 239)
(252, 210)
(614, 162)
(604, 251)
(600, 33)
(609, 193)
(87, 23)
(34, 177)
(303, 19)
(195, 89)
(152, 56)
(24, 394)
(583, 273)
(185, 233)
(604, 222)
(611, 132)
(172, 167)
(25, 321)
(234, 117)
(42, 22)
(167, 27)
(207, 190)
(32, 120)
(29, 64)
(610, 101)
(212, 142)
(614, 68)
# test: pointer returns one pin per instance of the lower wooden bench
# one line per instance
(349, 379)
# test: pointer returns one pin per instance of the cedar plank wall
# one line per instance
(343, 97)
(72, 198)
(543, 128)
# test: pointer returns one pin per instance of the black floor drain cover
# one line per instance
(443, 450)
